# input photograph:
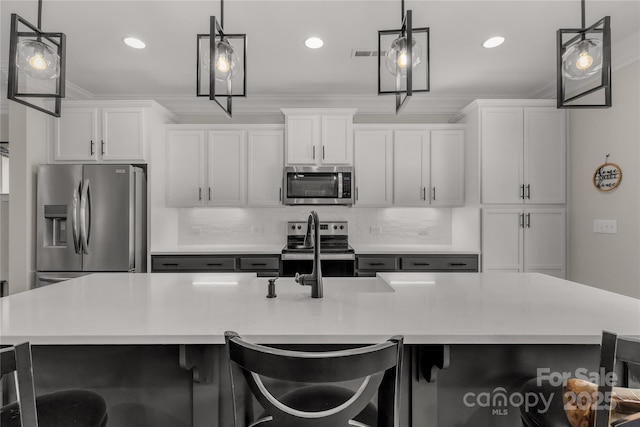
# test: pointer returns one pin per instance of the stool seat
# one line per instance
(539, 416)
(78, 408)
(318, 398)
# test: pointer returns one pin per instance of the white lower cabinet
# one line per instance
(373, 167)
(529, 240)
(266, 165)
(206, 168)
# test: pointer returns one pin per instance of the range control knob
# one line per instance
(335, 227)
(299, 227)
(342, 227)
(293, 227)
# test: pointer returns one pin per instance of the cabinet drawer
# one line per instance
(377, 263)
(415, 263)
(459, 263)
(192, 263)
(259, 263)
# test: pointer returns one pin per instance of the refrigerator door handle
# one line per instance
(85, 216)
(74, 218)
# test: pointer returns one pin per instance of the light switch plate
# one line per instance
(606, 226)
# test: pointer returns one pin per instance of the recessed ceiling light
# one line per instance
(314, 42)
(134, 42)
(493, 42)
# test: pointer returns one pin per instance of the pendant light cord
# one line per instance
(584, 25)
(402, 7)
(222, 13)
(39, 14)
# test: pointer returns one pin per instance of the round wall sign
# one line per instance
(607, 177)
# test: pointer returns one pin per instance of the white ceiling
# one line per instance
(281, 69)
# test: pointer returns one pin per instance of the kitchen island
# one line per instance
(484, 329)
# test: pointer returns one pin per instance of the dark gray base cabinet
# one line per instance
(263, 265)
(369, 265)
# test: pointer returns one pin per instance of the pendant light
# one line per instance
(36, 64)
(406, 60)
(583, 64)
(221, 65)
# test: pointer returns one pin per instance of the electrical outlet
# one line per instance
(424, 232)
(196, 231)
(606, 226)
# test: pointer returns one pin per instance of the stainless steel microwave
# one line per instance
(318, 185)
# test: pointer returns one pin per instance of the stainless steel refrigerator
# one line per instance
(90, 218)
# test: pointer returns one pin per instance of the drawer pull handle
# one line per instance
(457, 264)
(169, 264)
(421, 263)
(376, 263)
(259, 264)
(214, 264)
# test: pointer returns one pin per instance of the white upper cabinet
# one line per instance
(447, 168)
(544, 155)
(76, 135)
(373, 165)
(266, 165)
(523, 155)
(186, 172)
(123, 136)
(428, 167)
(206, 168)
(410, 167)
(105, 131)
(319, 136)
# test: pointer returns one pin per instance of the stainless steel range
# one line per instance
(337, 257)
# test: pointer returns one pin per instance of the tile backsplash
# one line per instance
(267, 226)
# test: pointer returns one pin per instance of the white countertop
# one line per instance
(219, 250)
(412, 249)
(454, 308)
(277, 249)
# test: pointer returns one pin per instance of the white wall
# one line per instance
(607, 261)
(28, 136)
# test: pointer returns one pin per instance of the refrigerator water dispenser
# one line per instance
(56, 225)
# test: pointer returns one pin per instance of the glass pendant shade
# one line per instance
(582, 59)
(396, 59)
(37, 60)
(226, 61)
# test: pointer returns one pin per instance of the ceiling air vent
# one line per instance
(363, 53)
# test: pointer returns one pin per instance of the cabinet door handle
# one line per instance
(376, 263)
(521, 220)
(421, 263)
(323, 152)
(424, 193)
(280, 196)
(258, 264)
(169, 264)
(199, 194)
(434, 193)
(314, 152)
(356, 194)
(522, 191)
(91, 145)
(209, 193)
(528, 223)
(457, 264)
(529, 191)
(214, 264)
(102, 148)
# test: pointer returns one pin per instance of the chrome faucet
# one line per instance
(315, 278)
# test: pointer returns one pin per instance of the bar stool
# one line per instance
(77, 408)
(321, 404)
(617, 355)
